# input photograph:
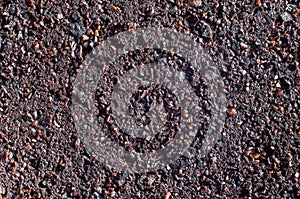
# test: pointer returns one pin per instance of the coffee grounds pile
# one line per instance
(255, 44)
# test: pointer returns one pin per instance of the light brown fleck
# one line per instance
(85, 37)
(168, 194)
(232, 112)
(258, 3)
(257, 155)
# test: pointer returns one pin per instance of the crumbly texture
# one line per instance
(255, 44)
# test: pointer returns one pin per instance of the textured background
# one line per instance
(255, 45)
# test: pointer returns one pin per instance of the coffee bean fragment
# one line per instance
(168, 195)
(231, 112)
